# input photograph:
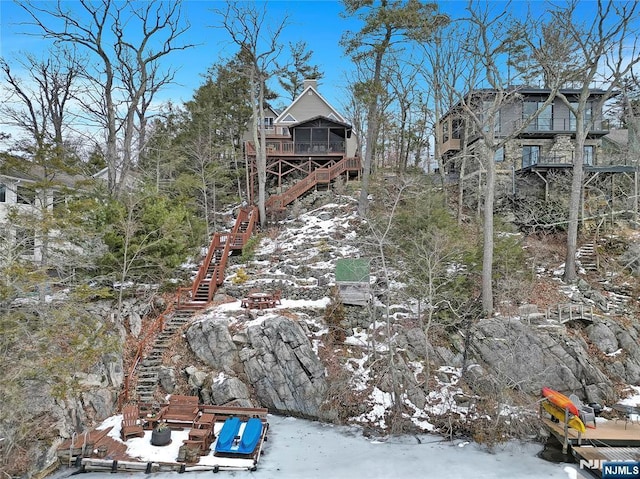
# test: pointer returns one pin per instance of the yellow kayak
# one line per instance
(574, 421)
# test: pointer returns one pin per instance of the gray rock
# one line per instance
(197, 379)
(520, 356)
(226, 390)
(602, 337)
(135, 323)
(212, 343)
(167, 379)
(101, 401)
(283, 369)
(114, 369)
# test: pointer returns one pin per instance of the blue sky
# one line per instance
(317, 22)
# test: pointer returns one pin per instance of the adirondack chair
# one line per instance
(131, 423)
(587, 413)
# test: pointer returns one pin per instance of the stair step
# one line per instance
(147, 380)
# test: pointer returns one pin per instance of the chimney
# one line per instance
(310, 82)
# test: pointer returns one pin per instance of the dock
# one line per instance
(610, 440)
(103, 449)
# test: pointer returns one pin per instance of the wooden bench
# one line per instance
(181, 411)
(131, 423)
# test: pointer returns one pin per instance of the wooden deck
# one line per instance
(610, 441)
(611, 433)
(72, 451)
(101, 450)
(591, 458)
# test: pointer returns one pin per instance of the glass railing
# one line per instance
(559, 124)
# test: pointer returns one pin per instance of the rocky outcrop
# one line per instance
(526, 357)
(211, 342)
(275, 358)
(282, 367)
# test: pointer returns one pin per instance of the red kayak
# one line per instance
(560, 400)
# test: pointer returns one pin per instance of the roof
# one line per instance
(354, 270)
(526, 89)
(301, 98)
(318, 117)
(34, 173)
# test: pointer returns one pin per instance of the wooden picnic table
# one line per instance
(259, 300)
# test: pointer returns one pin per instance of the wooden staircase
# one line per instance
(320, 176)
(147, 378)
(211, 274)
(587, 256)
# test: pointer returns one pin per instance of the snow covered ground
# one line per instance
(300, 449)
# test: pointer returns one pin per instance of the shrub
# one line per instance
(249, 249)
(240, 277)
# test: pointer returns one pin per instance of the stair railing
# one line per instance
(156, 327)
(320, 175)
(247, 214)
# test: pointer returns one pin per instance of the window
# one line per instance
(26, 195)
(589, 152)
(302, 140)
(588, 116)
(487, 107)
(445, 131)
(457, 129)
(268, 123)
(3, 193)
(544, 121)
(498, 157)
(530, 155)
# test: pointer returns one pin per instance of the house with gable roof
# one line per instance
(309, 135)
(27, 192)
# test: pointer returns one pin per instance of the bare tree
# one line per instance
(487, 41)
(386, 24)
(603, 49)
(381, 242)
(127, 74)
(41, 110)
(259, 50)
(408, 123)
(441, 70)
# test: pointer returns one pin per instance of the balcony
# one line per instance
(549, 127)
(288, 148)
